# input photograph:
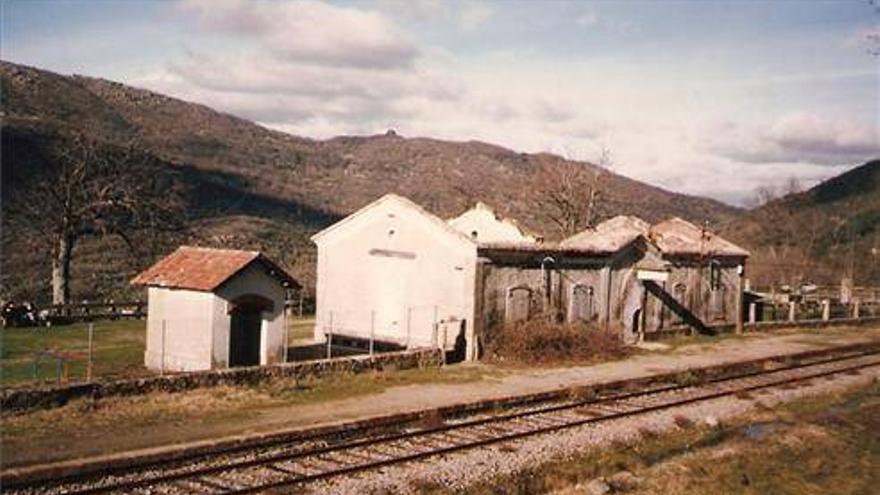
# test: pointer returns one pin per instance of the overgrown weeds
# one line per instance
(540, 341)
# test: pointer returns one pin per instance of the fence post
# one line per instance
(372, 329)
(408, 324)
(330, 337)
(443, 345)
(91, 350)
(162, 367)
(826, 309)
(856, 309)
(434, 329)
(791, 311)
(286, 324)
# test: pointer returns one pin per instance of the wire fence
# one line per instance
(390, 328)
(73, 353)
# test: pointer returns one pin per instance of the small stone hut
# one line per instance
(213, 309)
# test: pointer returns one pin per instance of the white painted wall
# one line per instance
(392, 267)
(253, 280)
(188, 330)
(197, 323)
(481, 224)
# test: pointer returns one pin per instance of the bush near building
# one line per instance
(540, 341)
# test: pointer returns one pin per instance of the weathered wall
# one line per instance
(187, 337)
(689, 283)
(513, 289)
(610, 290)
(22, 399)
(398, 271)
(253, 280)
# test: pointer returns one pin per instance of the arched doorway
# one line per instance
(246, 329)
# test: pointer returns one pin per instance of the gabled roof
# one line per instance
(680, 237)
(400, 200)
(609, 236)
(490, 228)
(206, 269)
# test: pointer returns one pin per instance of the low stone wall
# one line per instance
(45, 397)
(765, 326)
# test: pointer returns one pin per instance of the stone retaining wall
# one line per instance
(45, 397)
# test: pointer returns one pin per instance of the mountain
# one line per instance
(250, 186)
(821, 235)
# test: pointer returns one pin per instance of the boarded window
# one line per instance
(518, 304)
(581, 307)
(715, 275)
(716, 303)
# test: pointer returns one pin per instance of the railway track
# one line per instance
(272, 467)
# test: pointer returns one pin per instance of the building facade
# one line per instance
(395, 272)
(213, 309)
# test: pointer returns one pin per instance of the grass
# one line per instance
(92, 427)
(301, 328)
(118, 351)
(822, 444)
(342, 387)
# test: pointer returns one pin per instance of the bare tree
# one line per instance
(87, 188)
(569, 194)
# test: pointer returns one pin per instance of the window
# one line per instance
(715, 275)
(517, 304)
(581, 303)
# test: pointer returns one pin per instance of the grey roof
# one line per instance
(609, 236)
(680, 237)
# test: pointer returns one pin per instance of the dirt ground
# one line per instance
(83, 429)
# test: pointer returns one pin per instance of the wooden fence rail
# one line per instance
(94, 311)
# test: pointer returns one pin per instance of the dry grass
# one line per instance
(540, 342)
(87, 427)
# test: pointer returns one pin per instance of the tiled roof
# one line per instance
(677, 236)
(205, 269)
(609, 236)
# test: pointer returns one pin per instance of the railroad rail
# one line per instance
(260, 469)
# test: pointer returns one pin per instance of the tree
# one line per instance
(81, 188)
(569, 194)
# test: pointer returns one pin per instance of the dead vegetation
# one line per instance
(542, 342)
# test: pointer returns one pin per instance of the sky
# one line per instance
(715, 98)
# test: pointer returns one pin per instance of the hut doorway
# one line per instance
(244, 337)
(246, 329)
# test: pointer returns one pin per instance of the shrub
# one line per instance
(540, 341)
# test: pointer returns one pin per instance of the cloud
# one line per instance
(474, 15)
(592, 19)
(309, 30)
(587, 19)
(800, 137)
(302, 65)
